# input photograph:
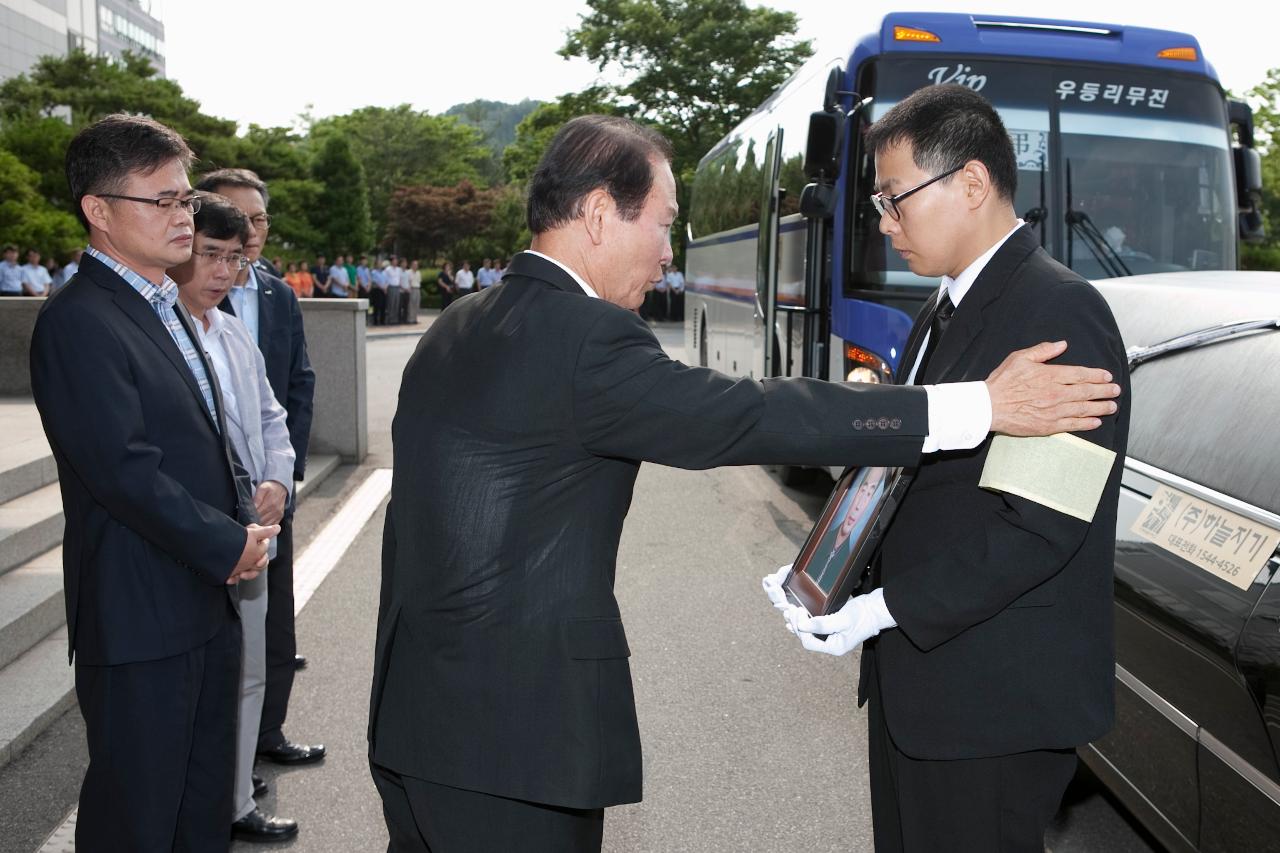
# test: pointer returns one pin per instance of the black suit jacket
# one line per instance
(146, 476)
(1004, 639)
(283, 342)
(501, 660)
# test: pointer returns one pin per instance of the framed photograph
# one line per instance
(841, 545)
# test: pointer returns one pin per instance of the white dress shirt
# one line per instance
(256, 423)
(245, 302)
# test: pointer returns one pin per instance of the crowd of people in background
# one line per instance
(34, 278)
(453, 285)
(393, 285)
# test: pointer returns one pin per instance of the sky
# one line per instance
(268, 61)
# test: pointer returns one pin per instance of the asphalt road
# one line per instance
(750, 743)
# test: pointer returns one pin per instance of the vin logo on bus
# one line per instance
(961, 75)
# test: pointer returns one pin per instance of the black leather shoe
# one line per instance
(299, 662)
(292, 753)
(259, 786)
(256, 826)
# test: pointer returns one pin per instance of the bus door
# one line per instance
(766, 308)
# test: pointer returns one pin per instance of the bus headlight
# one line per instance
(862, 365)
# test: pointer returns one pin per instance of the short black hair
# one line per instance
(102, 156)
(8, 247)
(244, 178)
(588, 153)
(947, 126)
(220, 219)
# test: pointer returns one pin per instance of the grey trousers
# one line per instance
(394, 297)
(253, 688)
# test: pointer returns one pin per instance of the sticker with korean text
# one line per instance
(1219, 541)
(1116, 93)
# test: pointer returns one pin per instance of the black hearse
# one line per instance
(1194, 752)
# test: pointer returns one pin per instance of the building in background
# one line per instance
(30, 29)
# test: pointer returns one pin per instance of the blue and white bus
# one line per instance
(1131, 160)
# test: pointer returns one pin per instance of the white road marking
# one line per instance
(324, 552)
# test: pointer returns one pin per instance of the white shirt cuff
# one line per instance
(880, 611)
(959, 416)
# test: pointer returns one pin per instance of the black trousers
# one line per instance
(423, 817)
(982, 805)
(378, 299)
(162, 744)
(282, 645)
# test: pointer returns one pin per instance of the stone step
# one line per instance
(36, 685)
(26, 463)
(319, 467)
(30, 525)
(37, 688)
(31, 604)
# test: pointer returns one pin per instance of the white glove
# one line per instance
(861, 618)
(773, 588)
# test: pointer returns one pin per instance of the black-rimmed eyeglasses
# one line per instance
(887, 205)
(235, 263)
(191, 204)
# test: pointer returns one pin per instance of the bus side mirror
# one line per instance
(822, 147)
(1248, 168)
(818, 201)
(1240, 115)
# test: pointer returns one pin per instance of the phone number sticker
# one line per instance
(1219, 541)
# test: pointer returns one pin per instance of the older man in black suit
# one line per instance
(270, 310)
(992, 655)
(502, 715)
(131, 408)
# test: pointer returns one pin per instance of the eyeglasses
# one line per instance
(262, 221)
(191, 204)
(232, 262)
(887, 205)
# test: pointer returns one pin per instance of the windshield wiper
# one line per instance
(1203, 337)
(1081, 224)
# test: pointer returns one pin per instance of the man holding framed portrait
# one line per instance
(986, 613)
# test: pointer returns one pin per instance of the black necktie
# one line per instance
(937, 328)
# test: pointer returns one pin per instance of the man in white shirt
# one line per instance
(675, 293)
(10, 273)
(465, 279)
(412, 283)
(256, 426)
(339, 281)
(988, 615)
(395, 296)
(36, 280)
(484, 275)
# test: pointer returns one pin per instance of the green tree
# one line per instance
(1265, 99)
(534, 132)
(695, 67)
(430, 222)
(26, 219)
(84, 88)
(41, 144)
(341, 215)
(294, 203)
(400, 146)
(274, 153)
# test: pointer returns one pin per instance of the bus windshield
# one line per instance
(1121, 171)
